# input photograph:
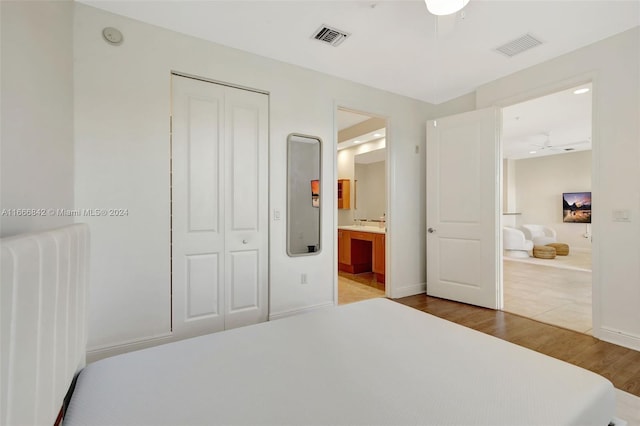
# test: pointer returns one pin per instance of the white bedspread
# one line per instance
(373, 362)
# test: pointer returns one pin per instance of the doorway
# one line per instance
(361, 206)
(547, 155)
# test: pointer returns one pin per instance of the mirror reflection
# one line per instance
(370, 187)
(303, 194)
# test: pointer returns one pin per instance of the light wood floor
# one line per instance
(557, 296)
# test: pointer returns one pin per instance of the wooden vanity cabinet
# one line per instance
(360, 251)
(379, 256)
(344, 194)
(344, 247)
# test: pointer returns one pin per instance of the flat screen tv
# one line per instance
(576, 207)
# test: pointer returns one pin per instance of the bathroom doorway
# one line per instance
(547, 153)
(362, 170)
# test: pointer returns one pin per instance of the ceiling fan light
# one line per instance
(445, 7)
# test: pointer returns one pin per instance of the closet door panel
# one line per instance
(202, 286)
(198, 237)
(246, 131)
(244, 280)
(203, 148)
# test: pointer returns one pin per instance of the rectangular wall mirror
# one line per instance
(304, 203)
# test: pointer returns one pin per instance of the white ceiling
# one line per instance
(554, 124)
(549, 125)
(394, 45)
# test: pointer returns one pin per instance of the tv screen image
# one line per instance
(576, 207)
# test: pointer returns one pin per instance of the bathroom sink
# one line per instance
(364, 228)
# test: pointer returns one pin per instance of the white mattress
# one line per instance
(373, 362)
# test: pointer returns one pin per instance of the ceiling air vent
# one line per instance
(330, 35)
(519, 45)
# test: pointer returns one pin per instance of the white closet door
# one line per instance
(219, 211)
(246, 127)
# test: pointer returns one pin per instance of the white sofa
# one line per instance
(514, 243)
(541, 235)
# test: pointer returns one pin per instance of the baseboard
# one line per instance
(299, 311)
(618, 337)
(411, 290)
(98, 353)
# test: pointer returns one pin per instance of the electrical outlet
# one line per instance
(303, 279)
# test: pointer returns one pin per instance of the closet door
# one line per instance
(219, 207)
(246, 211)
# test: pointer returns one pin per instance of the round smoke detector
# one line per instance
(112, 36)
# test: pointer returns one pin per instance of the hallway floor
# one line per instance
(554, 295)
(356, 287)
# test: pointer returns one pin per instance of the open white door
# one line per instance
(463, 173)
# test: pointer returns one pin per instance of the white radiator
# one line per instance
(42, 321)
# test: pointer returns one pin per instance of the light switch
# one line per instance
(622, 216)
(276, 214)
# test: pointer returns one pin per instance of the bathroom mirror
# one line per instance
(370, 178)
(304, 202)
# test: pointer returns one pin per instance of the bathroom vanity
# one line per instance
(362, 249)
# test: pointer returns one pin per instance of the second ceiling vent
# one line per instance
(519, 45)
(329, 35)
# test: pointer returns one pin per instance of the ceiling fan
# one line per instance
(547, 145)
(447, 14)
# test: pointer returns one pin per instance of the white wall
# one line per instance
(539, 184)
(614, 66)
(122, 110)
(37, 113)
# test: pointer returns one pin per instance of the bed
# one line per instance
(372, 362)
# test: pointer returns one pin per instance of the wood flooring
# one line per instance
(618, 364)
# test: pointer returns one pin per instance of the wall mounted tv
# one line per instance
(576, 207)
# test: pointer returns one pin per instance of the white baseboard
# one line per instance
(618, 337)
(98, 353)
(411, 290)
(293, 312)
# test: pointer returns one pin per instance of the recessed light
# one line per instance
(581, 91)
(377, 135)
(356, 141)
(532, 152)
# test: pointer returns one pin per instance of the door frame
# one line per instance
(390, 183)
(538, 92)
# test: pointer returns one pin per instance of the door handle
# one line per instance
(431, 230)
(244, 241)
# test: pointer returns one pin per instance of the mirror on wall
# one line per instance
(370, 186)
(303, 194)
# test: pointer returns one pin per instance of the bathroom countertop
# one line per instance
(363, 228)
